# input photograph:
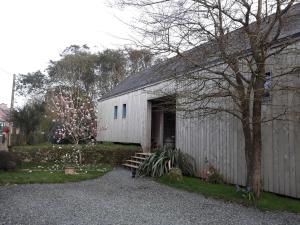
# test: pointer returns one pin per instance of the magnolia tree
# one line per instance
(77, 119)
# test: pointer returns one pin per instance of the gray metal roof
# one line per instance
(204, 53)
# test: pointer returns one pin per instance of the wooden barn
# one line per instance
(132, 113)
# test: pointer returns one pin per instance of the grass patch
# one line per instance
(226, 192)
(30, 173)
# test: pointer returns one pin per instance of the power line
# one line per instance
(5, 71)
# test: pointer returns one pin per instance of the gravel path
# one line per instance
(116, 198)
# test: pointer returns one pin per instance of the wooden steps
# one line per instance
(135, 160)
(144, 153)
(137, 157)
(130, 165)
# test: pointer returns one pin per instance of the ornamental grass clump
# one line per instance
(163, 159)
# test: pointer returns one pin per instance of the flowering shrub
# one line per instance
(70, 159)
(77, 120)
(76, 116)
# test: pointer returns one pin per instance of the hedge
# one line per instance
(100, 153)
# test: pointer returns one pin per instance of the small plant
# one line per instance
(213, 176)
(160, 162)
(175, 174)
(70, 159)
(247, 194)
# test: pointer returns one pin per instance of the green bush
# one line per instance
(156, 165)
(100, 153)
(8, 161)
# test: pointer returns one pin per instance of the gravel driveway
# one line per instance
(116, 198)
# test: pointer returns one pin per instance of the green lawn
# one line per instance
(226, 192)
(50, 173)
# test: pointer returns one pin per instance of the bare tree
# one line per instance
(228, 48)
(139, 59)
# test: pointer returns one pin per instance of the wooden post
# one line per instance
(11, 110)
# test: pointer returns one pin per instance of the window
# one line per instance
(124, 111)
(267, 87)
(116, 112)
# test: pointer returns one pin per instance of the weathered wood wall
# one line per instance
(220, 142)
(218, 139)
(128, 130)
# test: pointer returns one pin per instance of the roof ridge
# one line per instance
(176, 64)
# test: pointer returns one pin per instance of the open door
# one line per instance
(163, 122)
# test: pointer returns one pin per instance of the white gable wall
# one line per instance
(129, 129)
(136, 127)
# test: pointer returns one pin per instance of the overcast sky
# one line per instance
(32, 32)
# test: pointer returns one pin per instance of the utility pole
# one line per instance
(11, 110)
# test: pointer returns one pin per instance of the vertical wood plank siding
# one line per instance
(220, 139)
(221, 144)
(217, 140)
(131, 129)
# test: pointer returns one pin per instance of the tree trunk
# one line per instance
(248, 151)
(80, 157)
(255, 181)
(247, 139)
(253, 152)
(253, 139)
(79, 152)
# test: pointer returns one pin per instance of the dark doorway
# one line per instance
(169, 129)
(163, 122)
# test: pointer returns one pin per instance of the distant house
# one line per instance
(131, 113)
(4, 122)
